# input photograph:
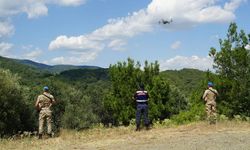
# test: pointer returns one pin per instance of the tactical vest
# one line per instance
(211, 96)
(45, 101)
(141, 96)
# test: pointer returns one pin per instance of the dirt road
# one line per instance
(199, 136)
(193, 137)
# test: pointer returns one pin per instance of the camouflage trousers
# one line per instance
(45, 115)
(211, 111)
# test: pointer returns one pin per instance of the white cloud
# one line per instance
(69, 2)
(180, 62)
(33, 9)
(107, 36)
(117, 44)
(33, 54)
(36, 9)
(114, 30)
(185, 13)
(247, 47)
(233, 5)
(176, 45)
(6, 29)
(58, 60)
(75, 43)
(193, 12)
(74, 60)
(81, 48)
(4, 48)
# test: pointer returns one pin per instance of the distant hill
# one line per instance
(31, 69)
(33, 64)
(28, 74)
(53, 68)
(187, 80)
(22, 69)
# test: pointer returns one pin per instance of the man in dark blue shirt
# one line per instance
(141, 96)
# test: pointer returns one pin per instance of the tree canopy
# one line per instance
(232, 64)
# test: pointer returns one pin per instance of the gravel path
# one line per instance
(184, 138)
(214, 141)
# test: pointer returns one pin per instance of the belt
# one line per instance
(141, 101)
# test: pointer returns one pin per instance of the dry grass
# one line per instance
(127, 138)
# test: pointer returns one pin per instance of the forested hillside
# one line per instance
(187, 80)
(84, 75)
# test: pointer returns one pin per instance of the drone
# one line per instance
(162, 21)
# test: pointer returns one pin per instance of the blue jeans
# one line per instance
(142, 109)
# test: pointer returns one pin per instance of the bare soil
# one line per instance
(198, 136)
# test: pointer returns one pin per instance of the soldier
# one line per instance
(141, 96)
(210, 96)
(43, 104)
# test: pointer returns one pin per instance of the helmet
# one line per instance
(210, 84)
(45, 88)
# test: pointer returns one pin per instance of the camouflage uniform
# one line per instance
(44, 102)
(210, 96)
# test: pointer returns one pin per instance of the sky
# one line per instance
(103, 32)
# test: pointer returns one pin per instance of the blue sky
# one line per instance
(102, 32)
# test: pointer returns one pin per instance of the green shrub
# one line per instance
(14, 113)
(157, 123)
(222, 118)
(167, 122)
(196, 113)
(247, 119)
(132, 122)
(79, 114)
(237, 118)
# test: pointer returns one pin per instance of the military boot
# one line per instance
(50, 135)
(40, 136)
(147, 127)
(213, 121)
(137, 128)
